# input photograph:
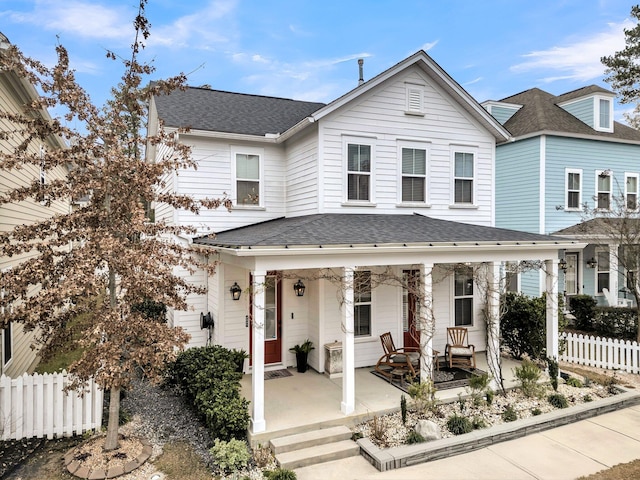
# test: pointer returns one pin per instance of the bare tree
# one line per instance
(106, 255)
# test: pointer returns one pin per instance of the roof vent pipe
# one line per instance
(360, 64)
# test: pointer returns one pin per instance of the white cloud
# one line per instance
(428, 46)
(578, 60)
(475, 80)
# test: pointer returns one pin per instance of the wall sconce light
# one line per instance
(236, 291)
(563, 265)
(299, 287)
(592, 263)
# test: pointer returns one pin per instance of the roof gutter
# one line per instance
(573, 135)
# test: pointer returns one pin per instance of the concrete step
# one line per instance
(318, 454)
(300, 441)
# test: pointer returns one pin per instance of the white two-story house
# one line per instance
(392, 181)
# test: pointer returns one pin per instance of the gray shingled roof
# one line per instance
(626, 227)
(540, 112)
(218, 111)
(364, 229)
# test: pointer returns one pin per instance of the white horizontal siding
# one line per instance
(381, 115)
(302, 174)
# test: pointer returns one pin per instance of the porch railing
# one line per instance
(600, 352)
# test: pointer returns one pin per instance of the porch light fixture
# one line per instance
(593, 263)
(563, 265)
(299, 287)
(236, 291)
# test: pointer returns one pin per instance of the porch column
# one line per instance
(552, 307)
(348, 346)
(493, 324)
(426, 325)
(258, 423)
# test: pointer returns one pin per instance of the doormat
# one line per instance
(277, 374)
(444, 378)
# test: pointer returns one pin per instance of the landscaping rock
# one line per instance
(428, 430)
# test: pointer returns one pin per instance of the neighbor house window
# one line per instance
(414, 175)
(574, 189)
(247, 179)
(631, 191)
(571, 274)
(463, 177)
(603, 190)
(511, 277)
(604, 114)
(463, 297)
(362, 304)
(358, 172)
(602, 271)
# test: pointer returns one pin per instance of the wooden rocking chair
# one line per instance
(458, 352)
(397, 361)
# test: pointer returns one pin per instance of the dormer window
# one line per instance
(604, 115)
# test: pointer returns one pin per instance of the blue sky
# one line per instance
(308, 49)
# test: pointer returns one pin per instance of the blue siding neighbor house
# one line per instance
(567, 154)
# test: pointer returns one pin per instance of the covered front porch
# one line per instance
(307, 401)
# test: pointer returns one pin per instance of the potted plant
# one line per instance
(302, 354)
(239, 356)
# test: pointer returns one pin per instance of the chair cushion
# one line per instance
(414, 357)
(461, 350)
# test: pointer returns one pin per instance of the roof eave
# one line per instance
(583, 136)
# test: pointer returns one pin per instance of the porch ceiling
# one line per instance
(373, 230)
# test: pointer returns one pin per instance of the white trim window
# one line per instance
(603, 114)
(413, 173)
(247, 171)
(571, 273)
(463, 297)
(359, 172)
(631, 191)
(602, 270)
(463, 177)
(362, 303)
(512, 280)
(573, 188)
(415, 99)
(603, 189)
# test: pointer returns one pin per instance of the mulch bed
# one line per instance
(20, 456)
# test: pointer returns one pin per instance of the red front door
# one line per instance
(410, 306)
(272, 319)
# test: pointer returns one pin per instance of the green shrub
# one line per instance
(554, 371)
(423, 395)
(615, 322)
(279, 474)
(231, 455)
(587, 398)
(583, 308)
(528, 374)
(536, 411)
(478, 423)
(458, 424)
(403, 408)
(489, 396)
(509, 414)
(558, 400)
(414, 437)
(574, 382)
(523, 325)
(151, 310)
(478, 385)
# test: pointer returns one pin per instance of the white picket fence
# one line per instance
(37, 406)
(601, 352)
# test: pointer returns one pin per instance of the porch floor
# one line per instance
(311, 400)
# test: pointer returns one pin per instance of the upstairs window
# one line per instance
(358, 172)
(247, 179)
(604, 116)
(414, 175)
(362, 304)
(463, 297)
(463, 177)
(631, 191)
(573, 198)
(603, 190)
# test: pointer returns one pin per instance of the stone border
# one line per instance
(75, 468)
(405, 456)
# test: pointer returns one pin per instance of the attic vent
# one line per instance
(415, 99)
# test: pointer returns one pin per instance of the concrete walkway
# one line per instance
(563, 453)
